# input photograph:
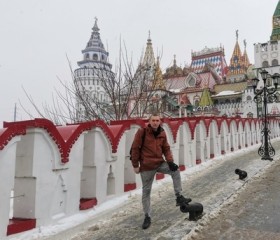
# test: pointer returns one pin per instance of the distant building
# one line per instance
(267, 56)
(208, 86)
(193, 86)
(233, 97)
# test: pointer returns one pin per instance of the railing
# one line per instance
(57, 171)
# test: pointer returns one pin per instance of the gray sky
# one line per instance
(36, 36)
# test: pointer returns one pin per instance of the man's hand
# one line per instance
(173, 166)
(136, 170)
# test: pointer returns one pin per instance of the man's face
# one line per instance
(154, 122)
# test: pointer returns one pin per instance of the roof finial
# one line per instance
(245, 43)
(236, 32)
(95, 27)
(149, 37)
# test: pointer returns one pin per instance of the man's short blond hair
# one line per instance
(154, 115)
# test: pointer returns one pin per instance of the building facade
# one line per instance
(267, 56)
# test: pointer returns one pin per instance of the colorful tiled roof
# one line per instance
(214, 56)
(175, 83)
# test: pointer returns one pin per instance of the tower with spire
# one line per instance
(149, 69)
(229, 96)
(89, 78)
(149, 86)
(239, 64)
(149, 57)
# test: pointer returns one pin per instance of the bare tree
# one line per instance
(122, 94)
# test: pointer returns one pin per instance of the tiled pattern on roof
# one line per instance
(175, 83)
(217, 61)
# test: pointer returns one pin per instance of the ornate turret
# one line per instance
(158, 79)
(205, 99)
(149, 58)
(275, 35)
(94, 54)
(238, 64)
(150, 70)
(94, 70)
(245, 56)
(174, 70)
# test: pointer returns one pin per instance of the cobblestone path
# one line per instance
(225, 199)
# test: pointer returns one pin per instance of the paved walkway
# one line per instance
(234, 209)
(252, 214)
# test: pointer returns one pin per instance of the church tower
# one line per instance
(149, 86)
(239, 64)
(149, 57)
(94, 69)
(149, 69)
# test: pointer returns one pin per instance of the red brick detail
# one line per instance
(159, 176)
(17, 225)
(232, 149)
(223, 152)
(129, 186)
(86, 203)
(212, 155)
(198, 161)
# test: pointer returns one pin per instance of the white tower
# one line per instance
(94, 69)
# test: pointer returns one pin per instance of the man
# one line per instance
(148, 148)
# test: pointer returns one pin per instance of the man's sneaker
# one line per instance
(182, 200)
(147, 222)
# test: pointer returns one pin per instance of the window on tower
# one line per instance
(95, 57)
(274, 62)
(265, 64)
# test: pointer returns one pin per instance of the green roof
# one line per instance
(277, 10)
(205, 98)
(275, 35)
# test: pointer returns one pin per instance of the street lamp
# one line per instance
(266, 94)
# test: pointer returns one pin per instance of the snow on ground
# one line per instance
(98, 211)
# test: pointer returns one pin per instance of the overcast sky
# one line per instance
(36, 36)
